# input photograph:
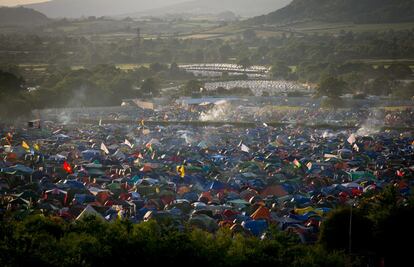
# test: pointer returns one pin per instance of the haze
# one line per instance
(19, 2)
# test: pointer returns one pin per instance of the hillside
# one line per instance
(21, 16)
(356, 11)
(79, 8)
(245, 8)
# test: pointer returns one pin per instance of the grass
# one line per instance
(284, 108)
(397, 108)
(124, 66)
(233, 30)
(323, 27)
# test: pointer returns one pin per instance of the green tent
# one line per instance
(361, 175)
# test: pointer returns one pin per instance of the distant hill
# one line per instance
(245, 8)
(79, 8)
(357, 11)
(20, 16)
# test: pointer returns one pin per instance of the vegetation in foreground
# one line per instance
(380, 224)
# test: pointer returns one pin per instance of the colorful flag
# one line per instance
(181, 171)
(36, 147)
(149, 147)
(400, 173)
(25, 145)
(128, 143)
(9, 138)
(104, 149)
(67, 167)
(309, 165)
(351, 139)
(245, 148)
(297, 163)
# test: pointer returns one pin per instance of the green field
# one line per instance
(235, 30)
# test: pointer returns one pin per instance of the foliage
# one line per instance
(380, 224)
(280, 70)
(358, 11)
(331, 87)
(192, 88)
(150, 88)
(52, 242)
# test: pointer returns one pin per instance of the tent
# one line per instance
(364, 175)
(274, 190)
(256, 227)
(89, 211)
(261, 213)
(17, 170)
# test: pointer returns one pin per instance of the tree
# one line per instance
(192, 88)
(280, 70)
(399, 71)
(121, 87)
(331, 87)
(157, 67)
(249, 35)
(10, 83)
(404, 91)
(244, 62)
(335, 231)
(380, 86)
(150, 88)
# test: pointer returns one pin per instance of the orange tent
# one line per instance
(274, 190)
(261, 213)
(146, 168)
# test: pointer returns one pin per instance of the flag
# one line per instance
(25, 145)
(181, 171)
(67, 167)
(245, 148)
(297, 163)
(309, 165)
(351, 139)
(36, 147)
(104, 149)
(9, 138)
(400, 173)
(356, 148)
(149, 147)
(128, 143)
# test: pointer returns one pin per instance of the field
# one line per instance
(235, 30)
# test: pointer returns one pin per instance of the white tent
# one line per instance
(89, 211)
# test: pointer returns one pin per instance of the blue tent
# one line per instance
(257, 228)
(83, 198)
(217, 185)
(18, 170)
(90, 154)
(74, 184)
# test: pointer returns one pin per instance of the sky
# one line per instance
(19, 2)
